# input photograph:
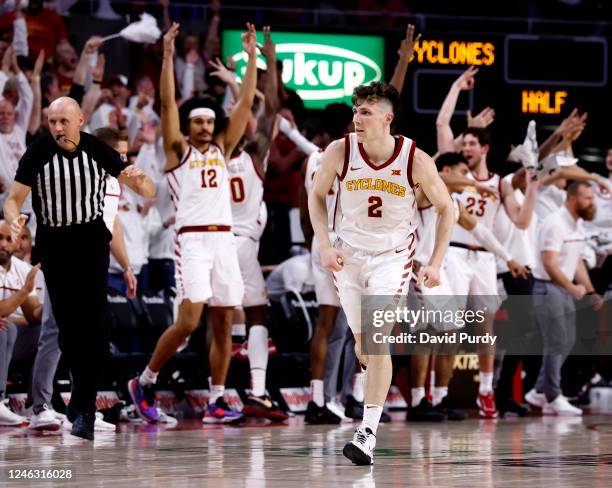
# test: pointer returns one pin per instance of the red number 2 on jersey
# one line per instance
(374, 208)
(209, 178)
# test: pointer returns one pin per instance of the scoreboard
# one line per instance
(523, 77)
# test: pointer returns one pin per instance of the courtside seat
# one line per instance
(123, 323)
(155, 314)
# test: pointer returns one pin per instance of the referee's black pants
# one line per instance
(75, 263)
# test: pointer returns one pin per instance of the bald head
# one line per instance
(65, 104)
(65, 122)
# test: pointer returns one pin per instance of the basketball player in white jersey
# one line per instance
(206, 259)
(247, 170)
(453, 170)
(373, 254)
(480, 278)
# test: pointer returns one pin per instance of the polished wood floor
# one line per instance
(535, 452)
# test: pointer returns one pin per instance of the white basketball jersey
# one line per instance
(377, 203)
(426, 230)
(482, 208)
(111, 201)
(314, 161)
(520, 243)
(247, 189)
(199, 189)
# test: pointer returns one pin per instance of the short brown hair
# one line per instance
(376, 91)
(110, 136)
(574, 186)
(483, 136)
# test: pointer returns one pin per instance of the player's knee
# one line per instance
(186, 325)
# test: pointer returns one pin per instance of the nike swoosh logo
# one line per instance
(400, 250)
(355, 169)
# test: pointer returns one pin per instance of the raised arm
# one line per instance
(444, 133)
(211, 43)
(166, 13)
(272, 102)
(82, 69)
(425, 174)
(226, 75)
(520, 214)
(174, 142)
(23, 110)
(5, 69)
(20, 32)
(572, 124)
(88, 105)
(574, 172)
(35, 115)
(187, 82)
(260, 146)
(242, 110)
(291, 131)
(405, 52)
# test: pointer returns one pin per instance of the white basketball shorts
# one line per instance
(207, 269)
(254, 284)
(367, 273)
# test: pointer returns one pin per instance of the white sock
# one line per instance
(147, 377)
(316, 390)
(257, 351)
(416, 395)
(358, 381)
(239, 330)
(371, 417)
(216, 392)
(437, 394)
(486, 383)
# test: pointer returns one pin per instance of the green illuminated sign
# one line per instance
(322, 68)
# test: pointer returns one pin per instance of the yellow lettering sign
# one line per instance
(542, 101)
(455, 52)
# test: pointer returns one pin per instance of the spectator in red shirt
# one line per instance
(45, 27)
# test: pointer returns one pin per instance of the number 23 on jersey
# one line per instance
(472, 202)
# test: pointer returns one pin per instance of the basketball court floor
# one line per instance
(534, 452)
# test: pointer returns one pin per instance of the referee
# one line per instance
(66, 174)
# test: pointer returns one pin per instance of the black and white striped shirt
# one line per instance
(68, 187)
